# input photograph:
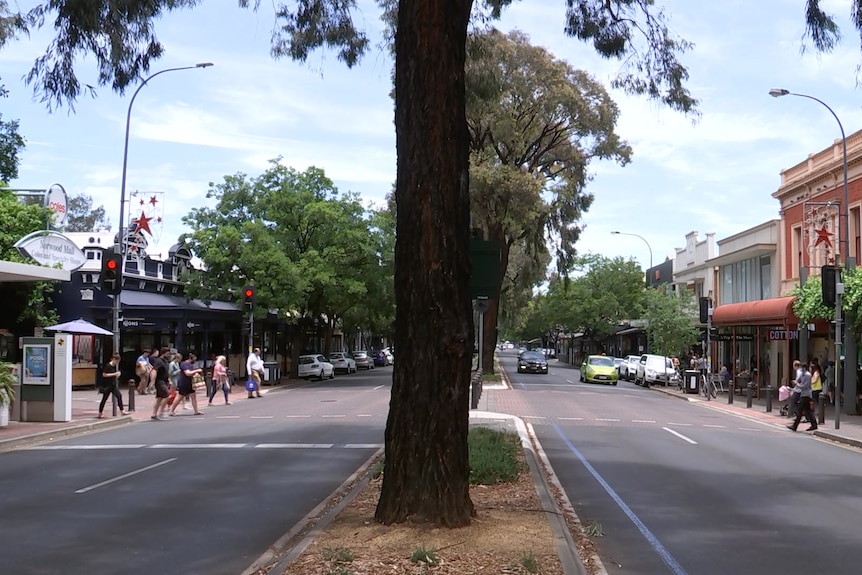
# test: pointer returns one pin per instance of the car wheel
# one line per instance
(320, 377)
(331, 374)
(614, 383)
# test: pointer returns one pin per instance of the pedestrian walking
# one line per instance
(109, 384)
(185, 387)
(161, 384)
(220, 380)
(254, 367)
(143, 371)
(816, 381)
(804, 386)
(829, 384)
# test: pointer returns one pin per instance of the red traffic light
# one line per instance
(249, 292)
(111, 264)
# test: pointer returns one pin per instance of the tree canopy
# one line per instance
(82, 217)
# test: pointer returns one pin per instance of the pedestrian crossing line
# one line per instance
(86, 447)
(294, 446)
(198, 445)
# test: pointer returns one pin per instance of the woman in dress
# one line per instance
(185, 388)
(220, 380)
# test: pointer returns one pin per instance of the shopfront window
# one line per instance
(747, 280)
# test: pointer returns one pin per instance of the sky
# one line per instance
(193, 127)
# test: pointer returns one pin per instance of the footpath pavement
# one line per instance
(85, 413)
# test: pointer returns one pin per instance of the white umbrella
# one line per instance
(79, 326)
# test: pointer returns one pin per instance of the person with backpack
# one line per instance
(109, 384)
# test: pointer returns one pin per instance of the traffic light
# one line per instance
(111, 278)
(827, 282)
(704, 309)
(248, 293)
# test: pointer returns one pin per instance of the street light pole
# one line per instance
(840, 329)
(121, 234)
(637, 236)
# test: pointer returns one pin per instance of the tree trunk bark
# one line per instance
(426, 474)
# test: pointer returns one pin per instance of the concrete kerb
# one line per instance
(61, 432)
(567, 550)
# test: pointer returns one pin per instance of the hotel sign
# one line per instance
(52, 249)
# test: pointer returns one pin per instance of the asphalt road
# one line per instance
(191, 495)
(682, 488)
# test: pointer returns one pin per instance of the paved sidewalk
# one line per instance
(85, 412)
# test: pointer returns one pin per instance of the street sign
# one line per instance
(485, 279)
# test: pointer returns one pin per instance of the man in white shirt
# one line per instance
(254, 367)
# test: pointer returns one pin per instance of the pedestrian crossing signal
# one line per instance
(110, 279)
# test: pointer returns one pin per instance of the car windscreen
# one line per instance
(532, 356)
(601, 361)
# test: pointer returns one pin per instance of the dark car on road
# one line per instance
(532, 362)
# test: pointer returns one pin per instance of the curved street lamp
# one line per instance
(121, 234)
(637, 236)
(840, 330)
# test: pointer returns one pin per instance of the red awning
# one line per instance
(775, 311)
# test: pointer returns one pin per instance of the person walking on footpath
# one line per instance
(161, 384)
(804, 386)
(220, 380)
(816, 380)
(110, 385)
(254, 367)
(185, 387)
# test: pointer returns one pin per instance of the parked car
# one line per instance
(363, 360)
(342, 361)
(654, 369)
(629, 367)
(381, 359)
(532, 361)
(315, 366)
(599, 369)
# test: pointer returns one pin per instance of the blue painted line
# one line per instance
(648, 535)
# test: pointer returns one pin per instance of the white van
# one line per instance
(654, 369)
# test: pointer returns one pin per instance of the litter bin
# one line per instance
(690, 381)
(271, 372)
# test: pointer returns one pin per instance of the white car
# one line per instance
(629, 367)
(654, 369)
(315, 366)
(342, 361)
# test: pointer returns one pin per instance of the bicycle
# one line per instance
(707, 387)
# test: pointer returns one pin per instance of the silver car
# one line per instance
(363, 360)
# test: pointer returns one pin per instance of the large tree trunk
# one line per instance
(426, 474)
(492, 315)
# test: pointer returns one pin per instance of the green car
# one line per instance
(599, 369)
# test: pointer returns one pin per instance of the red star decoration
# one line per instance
(159, 220)
(142, 202)
(823, 237)
(142, 224)
(154, 201)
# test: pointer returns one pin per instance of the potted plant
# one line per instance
(7, 391)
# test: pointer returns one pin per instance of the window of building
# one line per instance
(797, 250)
(854, 224)
(765, 277)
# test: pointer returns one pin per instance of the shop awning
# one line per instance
(774, 311)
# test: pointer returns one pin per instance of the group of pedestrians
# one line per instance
(807, 386)
(172, 379)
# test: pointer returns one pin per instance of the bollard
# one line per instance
(748, 389)
(730, 392)
(113, 405)
(768, 399)
(821, 409)
(131, 406)
(476, 389)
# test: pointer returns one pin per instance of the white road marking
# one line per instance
(363, 445)
(749, 429)
(378, 387)
(85, 447)
(262, 417)
(715, 426)
(227, 417)
(289, 416)
(198, 445)
(570, 381)
(572, 418)
(294, 446)
(603, 419)
(125, 475)
(334, 415)
(643, 420)
(680, 435)
(365, 415)
(532, 417)
(680, 424)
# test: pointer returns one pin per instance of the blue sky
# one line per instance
(193, 127)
